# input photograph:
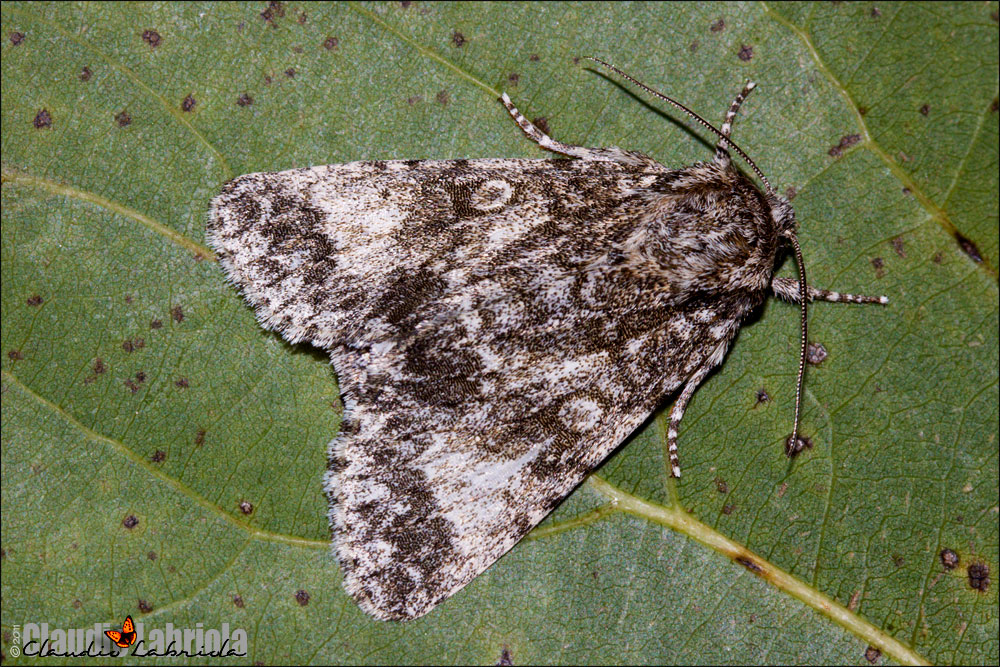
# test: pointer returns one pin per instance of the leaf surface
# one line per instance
(162, 454)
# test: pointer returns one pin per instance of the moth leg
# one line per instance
(610, 154)
(721, 154)
(678, 412)
(788, 289)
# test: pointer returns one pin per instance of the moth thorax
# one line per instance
(705, 242)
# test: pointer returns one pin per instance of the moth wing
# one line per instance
(490, 345)
(339, 253)
(418, 512)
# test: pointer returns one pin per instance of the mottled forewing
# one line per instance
(492, 340)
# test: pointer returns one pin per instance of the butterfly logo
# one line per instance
(126, 637)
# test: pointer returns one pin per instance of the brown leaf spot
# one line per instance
(898, 560)
(782, 489)
(846, 141)
(274, 10)
(16, 38)
(15, 355)
(181, 383)
(34, 300)
(790, 193)
(238, 601)
(746, 53)
(872, 654)
(413, 99)
(290, 72)
(728, 509)
(762, 397)
(855, 599)
(244, 100)
(155, 324)
(926, 109)
(177, 313)
(442, 97)
(897, 245)
(144, 606)
(718, 26)
(876, 14)
(42, 119)
(721, 486)
(302, 597)
(188, 103)
(506, 659)
(246, 507)
(949, 559)
(815, 353)
(979, 577)
(995, 104)
(750, 564)
(99, 366)
(302, 18)
(77, 604)
(199, 437)
(151, 555)
(802, 443)
(457, 39)
(969, 248)
(879, 265)
(513, 78)
(542, 123)
(152, 38)
(534, 58)
(863, 111)
(938, 257)
(330, 43)
(159, 456)
(130, 521)
(85, 74)
(123, 118)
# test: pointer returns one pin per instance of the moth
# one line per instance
(498, 327)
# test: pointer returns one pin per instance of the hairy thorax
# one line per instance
(707, 229)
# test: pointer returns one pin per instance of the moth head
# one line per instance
(783, 215)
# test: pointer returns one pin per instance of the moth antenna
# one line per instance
(803, 299)
(722, 137)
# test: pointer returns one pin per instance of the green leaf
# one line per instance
(162, 454)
